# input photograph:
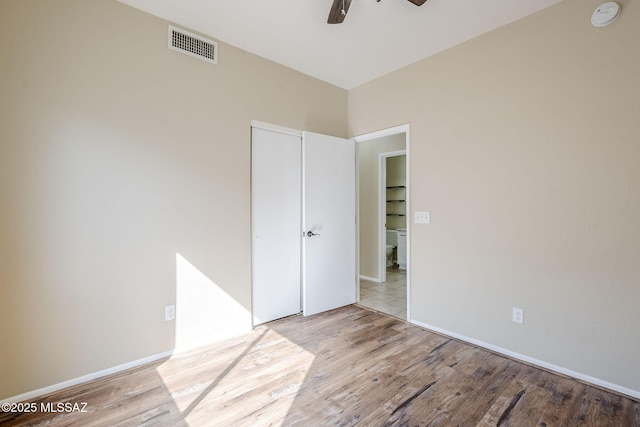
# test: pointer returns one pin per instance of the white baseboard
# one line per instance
(530, 360)
(370, 279)
(89, 377)
(114, 370)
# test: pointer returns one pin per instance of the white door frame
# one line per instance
(405, 128)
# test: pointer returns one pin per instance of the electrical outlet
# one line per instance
(421, 217)
(518, 315)
(170, 312)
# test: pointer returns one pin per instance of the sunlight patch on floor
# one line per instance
(238, 366)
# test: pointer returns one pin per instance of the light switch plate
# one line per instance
(421, 217)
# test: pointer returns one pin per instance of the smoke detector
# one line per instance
(605, 14)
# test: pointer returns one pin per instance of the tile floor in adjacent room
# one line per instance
(389, 297)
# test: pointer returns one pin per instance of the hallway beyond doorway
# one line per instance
(388, 297)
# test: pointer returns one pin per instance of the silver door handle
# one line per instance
(311, 234)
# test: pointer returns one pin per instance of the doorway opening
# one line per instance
(383, 207)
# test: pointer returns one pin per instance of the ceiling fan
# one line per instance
(339, 10)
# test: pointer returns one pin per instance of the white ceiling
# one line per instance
(375, 38)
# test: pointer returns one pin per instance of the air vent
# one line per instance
(193, 45)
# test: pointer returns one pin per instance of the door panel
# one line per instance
(276, 205)
(329, 211)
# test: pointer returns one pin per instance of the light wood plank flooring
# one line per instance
(389, 297)
(350, 366)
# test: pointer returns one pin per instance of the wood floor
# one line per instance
(350, 366)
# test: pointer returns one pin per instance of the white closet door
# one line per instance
(329, 213)
(276, 205)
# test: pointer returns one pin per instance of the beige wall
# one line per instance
(124, 172)
(368, 180)
(524, 147)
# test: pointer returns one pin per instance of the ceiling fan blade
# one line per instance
(335, 14)
(418, 2)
